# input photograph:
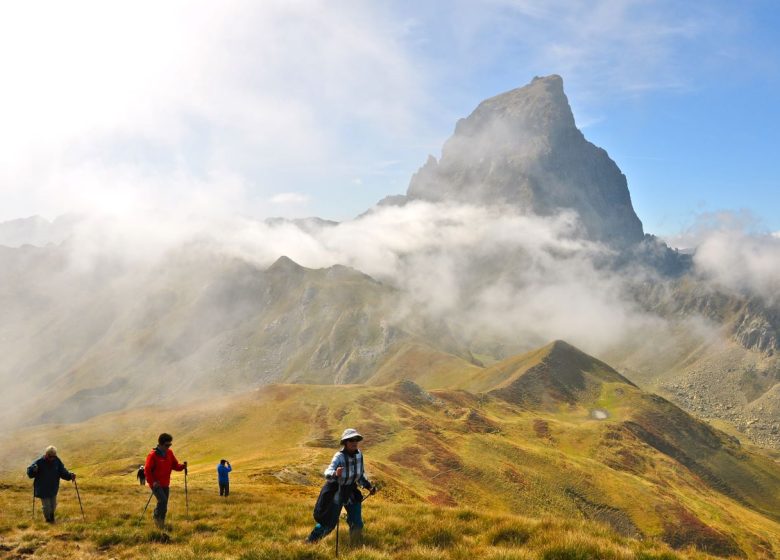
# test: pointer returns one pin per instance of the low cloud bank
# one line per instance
(733, 253)
(495, 277)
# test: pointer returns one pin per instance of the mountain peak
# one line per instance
(285, 264)
(522, 148)
(555, 373)
(540, 107)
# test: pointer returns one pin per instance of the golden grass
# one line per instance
(261, 521)
(541, 484)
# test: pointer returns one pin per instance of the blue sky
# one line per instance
(322, 108)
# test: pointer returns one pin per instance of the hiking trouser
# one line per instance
(354, 520)
(49, 505)
(224, 488)
(161, 510)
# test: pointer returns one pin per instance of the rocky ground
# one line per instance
(694, 393)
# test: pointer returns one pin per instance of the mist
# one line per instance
(169, 300)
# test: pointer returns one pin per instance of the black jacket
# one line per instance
(47, 479)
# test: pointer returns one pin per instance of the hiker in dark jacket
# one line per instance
(47, 472)
(159, 464)
(346, 469)
(141, 475)
(223, 477)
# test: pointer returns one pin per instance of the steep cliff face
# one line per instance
(523, 149)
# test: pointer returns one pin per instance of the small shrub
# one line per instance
(466, 515)
(439, 538)
(575, 552)
(510, 536)
(201, 527)
(285, 553)
(107, 540)
(158, 537)
(234, 535)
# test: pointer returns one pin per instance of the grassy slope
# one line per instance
(444, 448)
(270, 521)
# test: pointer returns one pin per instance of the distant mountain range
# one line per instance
(76, 342)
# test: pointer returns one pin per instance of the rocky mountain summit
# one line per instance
(523, 149)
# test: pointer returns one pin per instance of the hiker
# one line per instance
(223, 478)
(141, 476)
(343, 476)
(47, 471)
(159, 464)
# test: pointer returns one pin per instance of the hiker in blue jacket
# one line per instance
(223, 478)
(47, 471)
(346, 468)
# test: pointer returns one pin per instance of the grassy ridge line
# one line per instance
(260, 521)
(439, 448)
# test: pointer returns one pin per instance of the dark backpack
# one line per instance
(328, 492)
(324, 501)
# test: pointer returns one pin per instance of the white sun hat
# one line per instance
(350, 433)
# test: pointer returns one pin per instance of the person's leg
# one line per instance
(322, 529)
(227, 488)
(221, 489)
(355, 522)
(48, 507)
(160, 511)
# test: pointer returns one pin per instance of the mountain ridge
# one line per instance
(646, 468)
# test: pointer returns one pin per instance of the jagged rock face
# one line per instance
(522, 148)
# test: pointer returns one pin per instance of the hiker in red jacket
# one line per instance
(159, 464)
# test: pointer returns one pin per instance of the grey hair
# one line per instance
(51, 451)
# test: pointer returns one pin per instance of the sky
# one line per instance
(314, 108)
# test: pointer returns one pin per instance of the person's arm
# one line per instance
(229, 468)
(363, 481)
(64, 473)
(336, 466)
(176, 465)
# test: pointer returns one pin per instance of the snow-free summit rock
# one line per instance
(523, 148)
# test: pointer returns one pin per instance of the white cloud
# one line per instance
(188, 90)
(733, 253)
(739, 261)
(523, 280)
(288, 96)
(707, 223)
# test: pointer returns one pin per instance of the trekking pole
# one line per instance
(146, 506)
(76, 484)
(186, 494)
(367, 496)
